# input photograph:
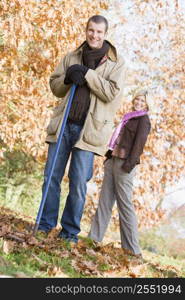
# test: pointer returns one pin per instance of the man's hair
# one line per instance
(98, 19)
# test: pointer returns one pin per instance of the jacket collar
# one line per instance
(112, 52)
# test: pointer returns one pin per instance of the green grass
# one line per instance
(20, 262)
(34, 264)
(152, 241)
(104, 267)
(21, 180)
(161, 251)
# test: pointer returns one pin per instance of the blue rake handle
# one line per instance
(73, 88)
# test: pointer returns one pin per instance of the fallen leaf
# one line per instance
(76, 252)
(20, 226)
(32, 240)
(52, 234)
(91, 252)
(138, 271)
(8, 246)
(56, 272)
(5, 229)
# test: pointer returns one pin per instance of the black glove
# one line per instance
(76, 74)
(78, 68)
(108, 154)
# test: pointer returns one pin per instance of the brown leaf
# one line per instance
(91, 252)
(52, 235)
(32, 240)
(133, 275)
(76, 252)
(8, 246)
(138, 270)
(75, 265)
(5, 229)
(55, 271)
(86, 267)
(20, 226)
(90, 265)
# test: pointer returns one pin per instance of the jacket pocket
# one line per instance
(55, 119)
(97, 132)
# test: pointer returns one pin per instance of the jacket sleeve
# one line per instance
(107, 89)
(58, 88)
(142, 132)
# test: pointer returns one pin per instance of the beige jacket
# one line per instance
(106, 85)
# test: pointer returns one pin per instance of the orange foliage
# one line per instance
(34, 37)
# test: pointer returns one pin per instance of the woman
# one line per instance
(125, 148)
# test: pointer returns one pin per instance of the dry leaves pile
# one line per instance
(86, 260)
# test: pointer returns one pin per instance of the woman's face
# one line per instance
(139, 103)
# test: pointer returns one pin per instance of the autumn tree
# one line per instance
(34, 37)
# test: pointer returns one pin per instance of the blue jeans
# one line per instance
(80, 172)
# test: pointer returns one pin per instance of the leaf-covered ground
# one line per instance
(23, 255)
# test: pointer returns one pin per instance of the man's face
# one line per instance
(95, 35)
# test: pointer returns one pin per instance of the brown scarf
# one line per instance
(80, 105)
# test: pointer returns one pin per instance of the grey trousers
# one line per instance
(117, 186)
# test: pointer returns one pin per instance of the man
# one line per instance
(98, 72)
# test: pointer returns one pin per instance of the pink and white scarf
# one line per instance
(125, 119)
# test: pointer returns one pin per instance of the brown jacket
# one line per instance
(133, 139)
(106, 85)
